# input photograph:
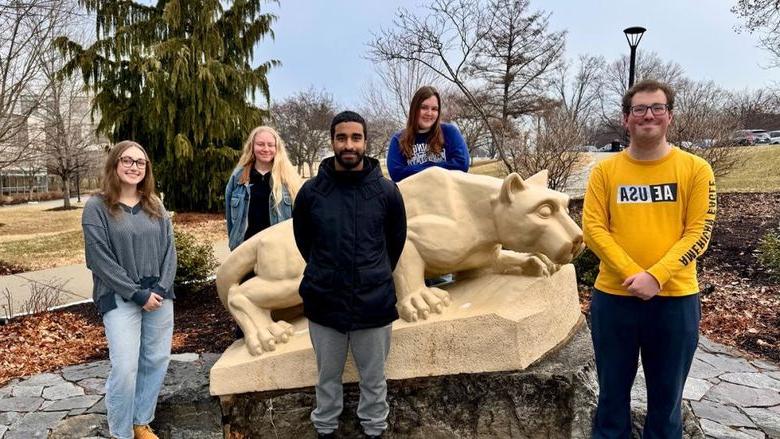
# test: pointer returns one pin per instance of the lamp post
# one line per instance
(633, 35)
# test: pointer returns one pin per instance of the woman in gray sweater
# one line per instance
(129, 246)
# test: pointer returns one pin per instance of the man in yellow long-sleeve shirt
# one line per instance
(648, 214)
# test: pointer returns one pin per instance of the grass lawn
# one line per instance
(759, 172)
(32, 220)
(37, 239)
(45, 251)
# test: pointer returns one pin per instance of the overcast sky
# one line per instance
(322, 43)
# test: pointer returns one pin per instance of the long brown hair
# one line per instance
(283, 172)
(435, 136)
(112, 187)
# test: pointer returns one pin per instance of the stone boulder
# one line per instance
(553, 398)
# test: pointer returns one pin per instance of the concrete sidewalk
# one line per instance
(73, 281)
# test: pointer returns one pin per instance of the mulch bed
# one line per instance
(74, 335)
(196, 217)
(740, 303)
(740, 300)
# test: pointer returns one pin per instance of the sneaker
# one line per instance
(373, 436)
(331, 435)
(143, 432)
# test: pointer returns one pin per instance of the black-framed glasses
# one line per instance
(127, 162)
(657, 109)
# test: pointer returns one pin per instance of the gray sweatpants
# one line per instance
(369, 349)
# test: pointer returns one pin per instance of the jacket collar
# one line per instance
(368, 184)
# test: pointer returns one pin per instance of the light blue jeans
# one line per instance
(139, 346)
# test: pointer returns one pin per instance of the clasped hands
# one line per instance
(154, 303)
(642, 285)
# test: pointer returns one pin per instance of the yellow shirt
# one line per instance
(655, 216)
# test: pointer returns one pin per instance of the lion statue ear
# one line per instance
(538, 179)
(513, 184)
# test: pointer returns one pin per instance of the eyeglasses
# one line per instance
(657, 109)
(127, 162)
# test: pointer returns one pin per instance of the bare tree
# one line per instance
(476, 135)
(69, 134)
(516, 60)
(578, 93)
(470, 43)
(400, 80)
(615, 84)
(703, 124)
(27, 28)
(762, 17)
(548, 144)
(748, 106)
(303, 121)
(64, 113)
(381, 126)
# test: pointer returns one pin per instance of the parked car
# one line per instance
(774, 137)
(705, 143)
(749, 137)
(614, 146)
(762, 136)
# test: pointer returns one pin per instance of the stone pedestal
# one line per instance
(495, 323)
(553, 398)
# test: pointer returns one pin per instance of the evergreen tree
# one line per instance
(176, 77)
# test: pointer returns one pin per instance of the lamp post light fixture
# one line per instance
(633, 36)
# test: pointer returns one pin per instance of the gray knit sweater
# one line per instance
(131, 254)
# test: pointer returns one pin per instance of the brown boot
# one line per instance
(143, 432)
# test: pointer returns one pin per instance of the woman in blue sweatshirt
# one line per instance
(426, 141)
(129, 247)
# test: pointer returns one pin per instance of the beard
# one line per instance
(349, 162)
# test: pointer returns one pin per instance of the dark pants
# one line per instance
(665, 332)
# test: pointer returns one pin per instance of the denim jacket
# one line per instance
(237, 208)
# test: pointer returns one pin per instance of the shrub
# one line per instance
(587, 267)
(196, 262)
(769, 253)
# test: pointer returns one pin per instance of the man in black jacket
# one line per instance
(350, 227)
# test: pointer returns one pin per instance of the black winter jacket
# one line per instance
(350, 228)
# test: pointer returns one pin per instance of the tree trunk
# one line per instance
(311, 169)
(66, 193)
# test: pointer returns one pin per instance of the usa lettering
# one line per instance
(652, 193)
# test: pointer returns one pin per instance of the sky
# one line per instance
(323, 44)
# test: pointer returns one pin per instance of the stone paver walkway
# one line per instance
(69, 403)
(733, 398)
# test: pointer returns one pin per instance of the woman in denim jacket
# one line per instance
(262, 188)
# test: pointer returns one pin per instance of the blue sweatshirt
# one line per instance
(454, 154)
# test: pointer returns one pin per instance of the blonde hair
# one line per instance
(283, 172)
(112, 186)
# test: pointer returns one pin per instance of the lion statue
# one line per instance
(458, 223)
